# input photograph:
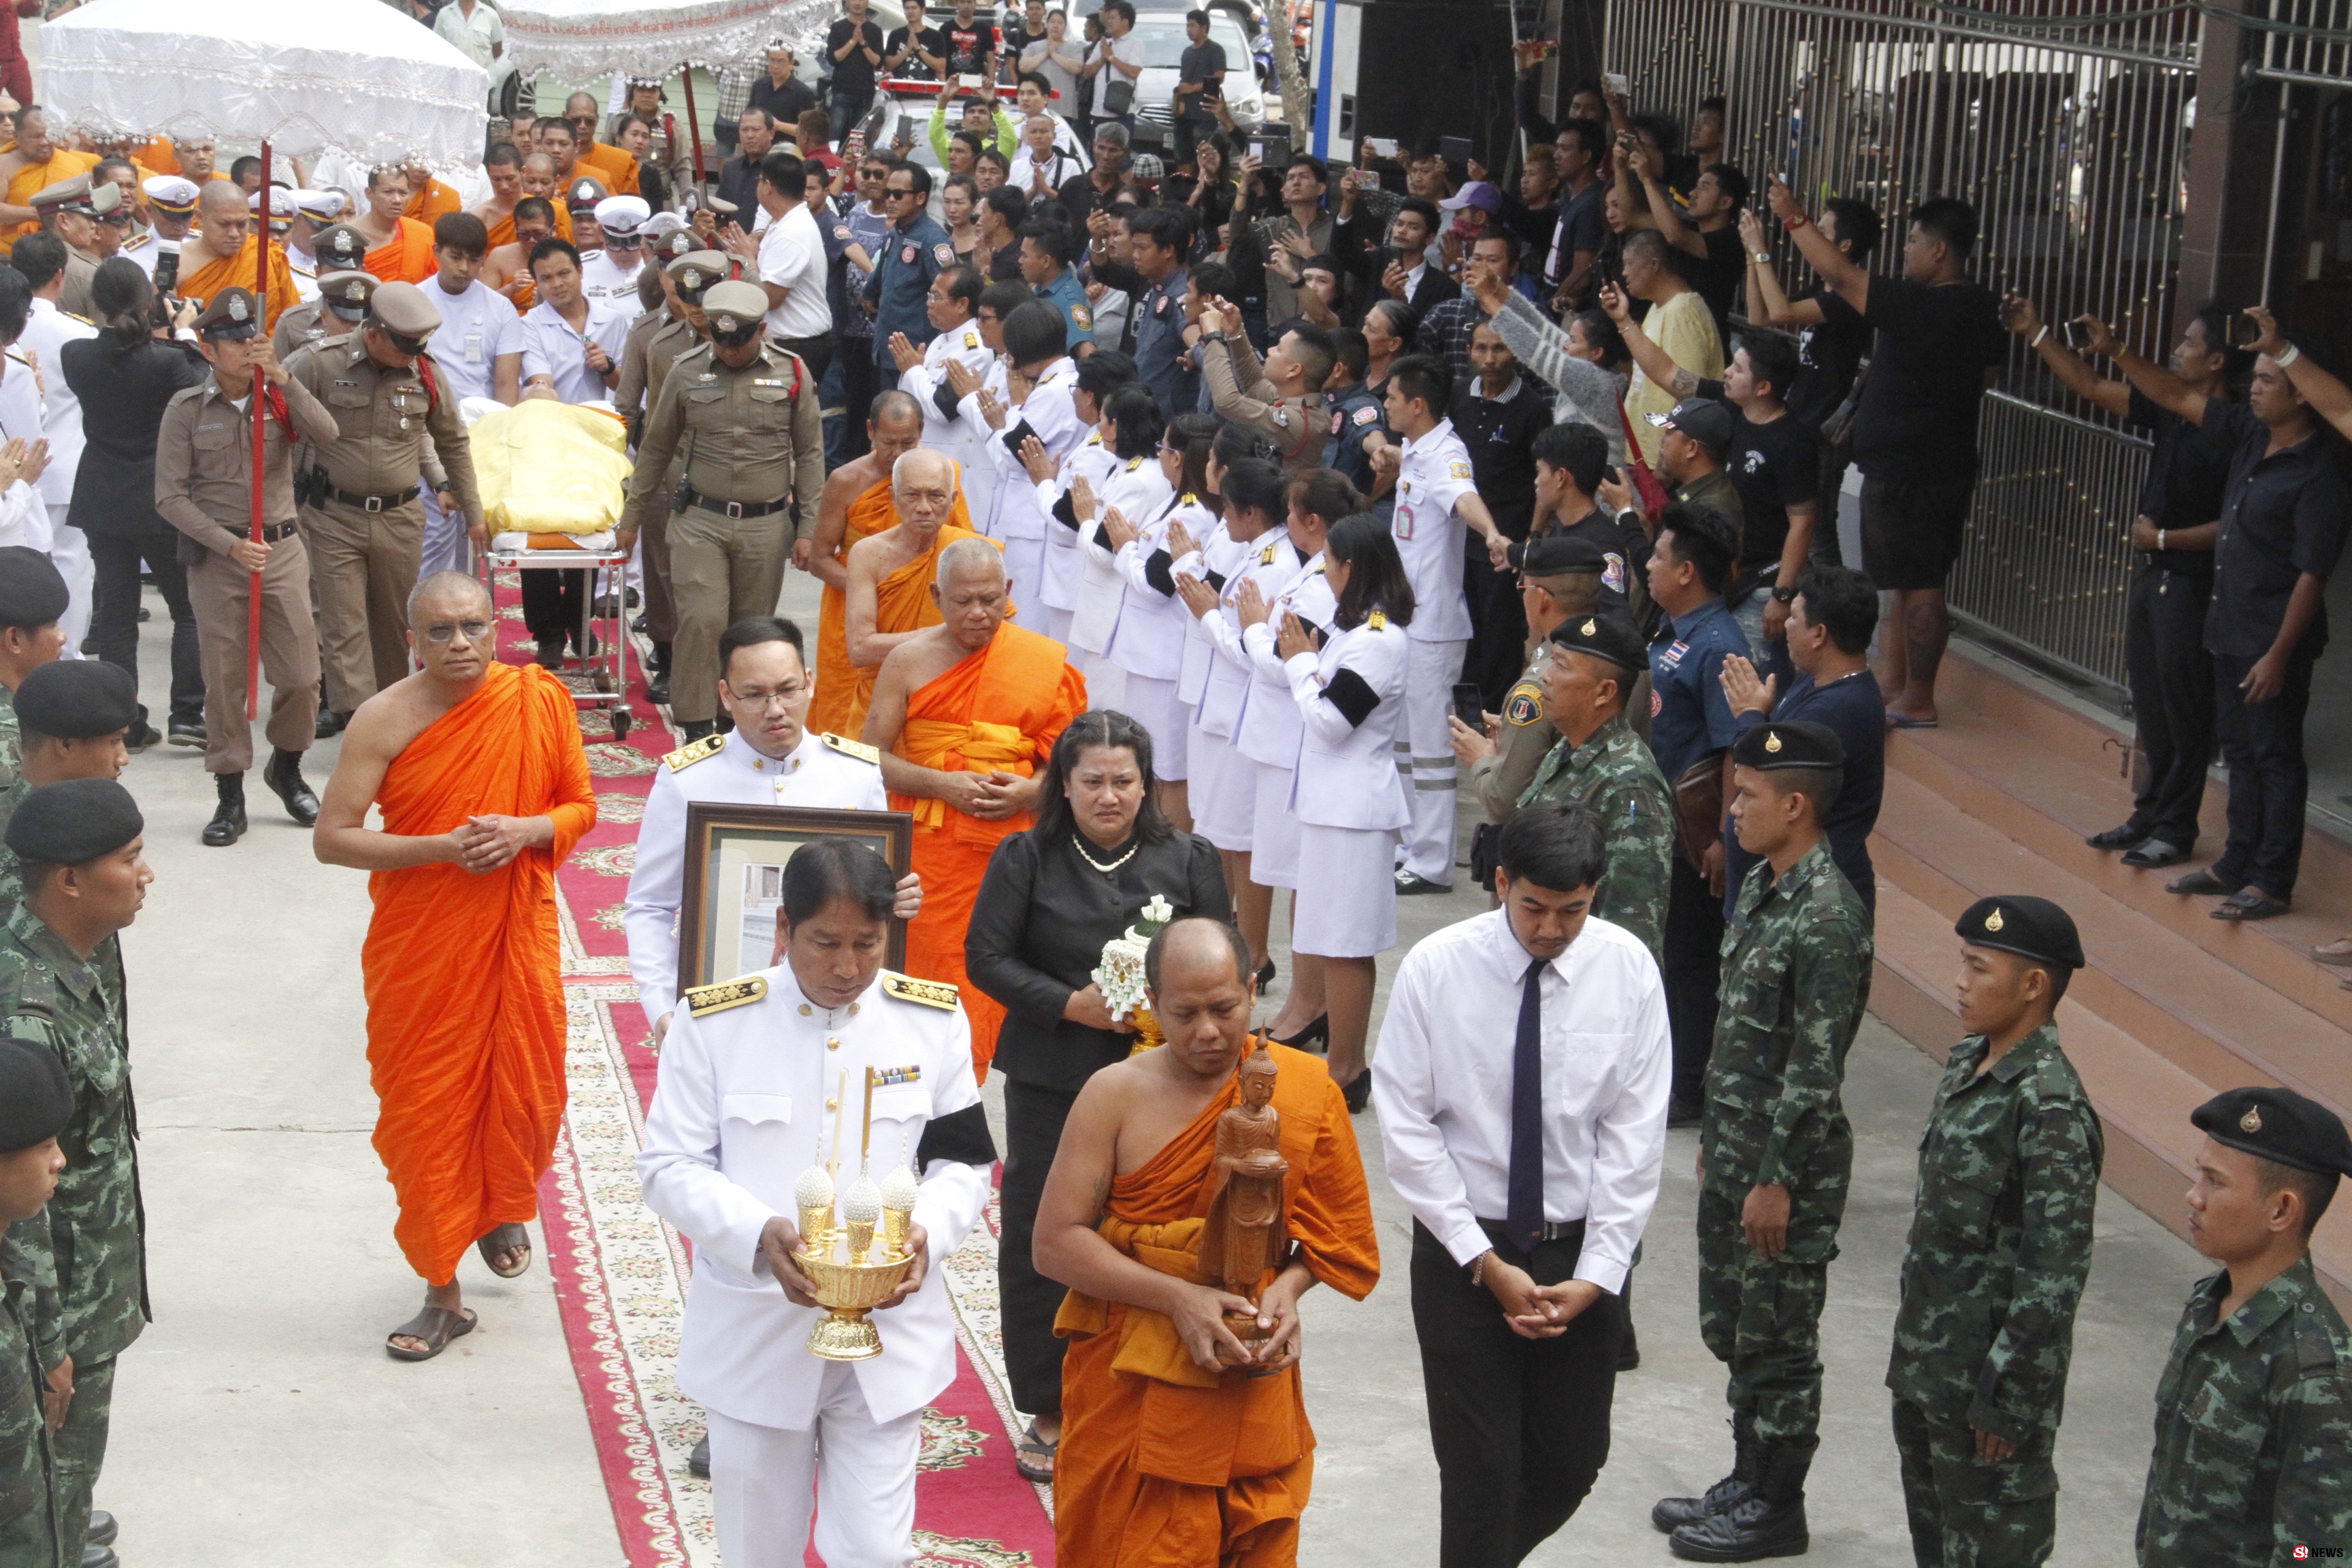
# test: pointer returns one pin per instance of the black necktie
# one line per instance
(1523, 1219)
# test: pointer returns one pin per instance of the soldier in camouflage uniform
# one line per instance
(1600, 765)
(32, 603)
(2253, 1415)
(1775, 1149)
(85, 1256)
(1999, 1247)
(1558, 578)
(34, 1103)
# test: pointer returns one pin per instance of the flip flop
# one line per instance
(1904, 721)
(505, 1238)
(437, 1326)
(1030, 1448)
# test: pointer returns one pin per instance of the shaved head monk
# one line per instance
(856, 505)
(485, 790)
(225, 248)
(400, 249)
(503, 165)
(891, 572)
(34, 162)
(1206, 1382)
(963, 712)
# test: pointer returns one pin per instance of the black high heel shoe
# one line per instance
(1317, 1033)
(1265, 976)
(1358, 1092)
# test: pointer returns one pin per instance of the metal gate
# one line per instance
(2071, 137)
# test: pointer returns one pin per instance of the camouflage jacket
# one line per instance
(108, 958)
(2253, 1430)
(85, 1255)
(1614, 777)
(24, 1477)
(12, 739)
(1796, 979)
(2001, 1240)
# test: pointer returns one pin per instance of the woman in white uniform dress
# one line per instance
(1346, 794)
(1130, 428)
(1148, 641)
(1096, 377)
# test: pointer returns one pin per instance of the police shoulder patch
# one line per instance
(688, 755)
(1367, 414)
(1524, 706)
(944, 255)
(1082, 318)
(849, 748)
(928, 993)
(706, 999)
(1458, 469)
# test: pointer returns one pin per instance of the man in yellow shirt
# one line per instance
(1678, 323)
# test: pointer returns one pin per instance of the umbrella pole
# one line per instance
(260, 408)
(694, 126)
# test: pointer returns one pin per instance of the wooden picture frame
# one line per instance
(742, 850)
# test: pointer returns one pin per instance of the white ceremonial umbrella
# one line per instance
(300, 77)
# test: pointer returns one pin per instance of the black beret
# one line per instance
(32, 592)
(1604, 635)
(2277, 1124)
(1794, 744)
(74, 822)
(36, 1101)
(2029, 927)
(78, 699)
(1558, 556)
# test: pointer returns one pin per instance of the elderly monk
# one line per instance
(963, 712)
(33, 162)
(891, 572)
(223, 251)
(400, 249)
(1185, 1443)
(485, 790)
(856, 505)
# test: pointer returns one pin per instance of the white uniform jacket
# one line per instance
(749, 1093)
(1140, 490)
(1350, 701)
(1219, 557)
(1065, 568)
(1153, 624)
(943, 430)
(1049, 412)
(1269, 723)
(823, 769)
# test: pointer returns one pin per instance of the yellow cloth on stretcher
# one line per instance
(551, 467)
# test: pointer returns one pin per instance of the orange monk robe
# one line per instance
(502, 230)
(1000, 710)
(1163, 1465)
(216, 275)
(436, 200)
(406, 256)
(611, 165)
(29, 181)
(158, 155)
(902, 604)
(465, 998)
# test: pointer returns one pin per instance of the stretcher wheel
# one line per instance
(621, 723)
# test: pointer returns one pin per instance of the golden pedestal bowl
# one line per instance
(849, 1292)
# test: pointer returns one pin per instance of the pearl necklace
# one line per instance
(1079, 843)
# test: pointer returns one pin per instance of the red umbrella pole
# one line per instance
(260, 407)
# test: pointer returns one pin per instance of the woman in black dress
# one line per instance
(1052, 896)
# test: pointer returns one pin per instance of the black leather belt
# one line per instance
(376, 503)
(272, 533)
(1553, 1230)
(734, 508)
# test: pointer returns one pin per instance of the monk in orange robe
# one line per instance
(1184, 1438)
(429, 198)
(400, 249)
(225, 250)
(856, 505)
(611, 164)
(891, 572)
(31, 163)
(485, 789)
(963, 714)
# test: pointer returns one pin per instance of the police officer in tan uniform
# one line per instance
(204, 487)
(363, 518)
(654, 343)
(345, 286)
(70, 209)
(742, 416)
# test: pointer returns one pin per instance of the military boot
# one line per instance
(1771, 1522)
(1672, 1513)
(227, 825)
(283, 775)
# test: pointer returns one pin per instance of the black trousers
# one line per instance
(1033, 1355)
(114, 611)
(814, 352)
(1824, 549)
(861, 381)
(1692, 969)
(2261, 745)
(1499, 627)
(1520, 1427)
(553, 602)
(2172, 697)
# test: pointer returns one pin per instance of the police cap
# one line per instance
(1796, 745)
(36, 1100)
(621, 216)
(582, 194)
(2030, 927)
(32, 590)
(401, 309)
(64, 193)
(339, 248)
(347, 293)
(74, 822)
(171, 193)
(232, 314)
(78, 699)
(1559, 555)
(733, 306)
(698, 272)
(2277, 1124)
(104, 199)
(1611, 637)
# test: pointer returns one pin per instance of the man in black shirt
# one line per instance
(780, 94)
(2169, 672)
(739, 177)
(1703, 243)
(972, 43)
(853, 45)
(1571, 461)
(1940, 346)
(2282, 517)
(917, 51)
(1497, 416)
(1200, 84)
(1098, 189)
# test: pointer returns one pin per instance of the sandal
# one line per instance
(437, 1326)
(509, 1237)
(1028, 1450)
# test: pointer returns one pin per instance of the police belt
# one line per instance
(376, 503)
(734, 508)
(270, 534)
(1553, 1230)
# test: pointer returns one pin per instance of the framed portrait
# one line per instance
(734, 880)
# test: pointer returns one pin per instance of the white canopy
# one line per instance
(580, 40)
(307, 76)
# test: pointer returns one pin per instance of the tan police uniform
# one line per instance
(398, 430)
(79, 195)
(750, 441)
(654, 344)
(342, 256)
(204, 487)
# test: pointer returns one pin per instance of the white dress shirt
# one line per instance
(550, 348)
(46, 333)
(1270, 725)
(792, 256)
(1433, 475)
(945, 431)
(477, 325)
(1441, 1085)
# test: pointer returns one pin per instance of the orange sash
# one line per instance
(406, 256)
(214, 276)
(902, 604)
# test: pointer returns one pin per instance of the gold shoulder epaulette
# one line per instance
(849, 748)
(1378, 620)
(703, 999)
(72, 316)
(688, 755)
(1266, 556)
(1187, 499)
(136, 242)
(929, 993)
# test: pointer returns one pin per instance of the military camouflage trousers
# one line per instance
(81, 1448)
(1763, 1319)
(29, 1539)
(1965, 1513)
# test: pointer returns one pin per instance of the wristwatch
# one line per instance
(1783, 593)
